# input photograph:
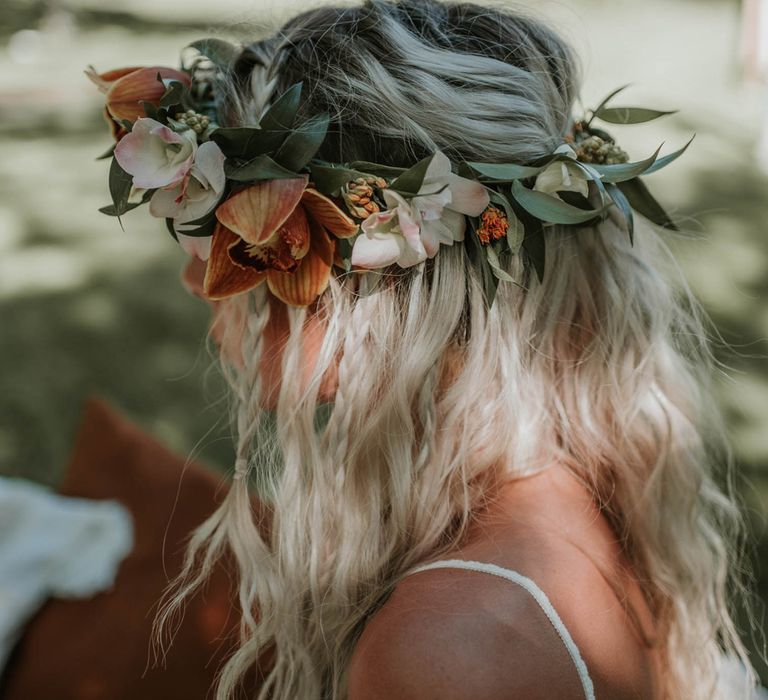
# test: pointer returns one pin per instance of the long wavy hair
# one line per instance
(604, 367)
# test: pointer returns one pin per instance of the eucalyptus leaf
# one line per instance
(535, 248)
(120, 185)
(204, 219)
(506, 172)
(200, 228)
(282, 113)
(666, 160)
(411, 181)
(630, 115)
(344, 247)
(478, 256)
(495, 265)
(246, 142)
(174, 94)
(110, 209)
(302, 143)
(171, 230)
(329, 179)
(219, 52)
(594, 176)
(626, 171)
(150, 110)
(515, 229)
(109, 153)
(259, 168)
(605, 102)
(578, 200)
(551, 209)
(515, 234)
(644, 202)
(625, 207)
(386, 171)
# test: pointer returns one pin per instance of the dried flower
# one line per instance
(493, 225)
(358, 196)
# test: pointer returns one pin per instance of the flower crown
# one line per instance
(256, 206)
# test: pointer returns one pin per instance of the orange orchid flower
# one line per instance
(278, 231)
(126, 88)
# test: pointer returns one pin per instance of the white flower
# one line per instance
(156, 155)
(410, 231)
(563, 176)
(390, 236)
(192, 198)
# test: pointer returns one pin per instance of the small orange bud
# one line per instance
(493, 225)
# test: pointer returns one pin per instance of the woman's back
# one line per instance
(523, 608)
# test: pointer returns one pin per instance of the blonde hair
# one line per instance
(604, 366)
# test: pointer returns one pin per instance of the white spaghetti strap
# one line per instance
(538, 595)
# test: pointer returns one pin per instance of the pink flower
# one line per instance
(410, 231)
(391, 236)
(156, 155)
(190, 199)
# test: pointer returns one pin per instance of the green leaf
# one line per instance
(344, 247)
(626, 171)
(200, 228)
(110, 209)
(630, 115)
(604, 103)
(505, 172)
(479, 258)
(625, 207)
(246, 142)
(120, 185)
(174, 94)
(109, 153)
(282, 113)
(171, 230)
(221, 53)
(515, 230)
(410, 182)
(535, 248)
(593, 176)
(302, 143)
(386, 171)
(551, 209)
(495, 265)
(259, 168)
(329, 179)
(150, 110)
(644, 202)
(666, 160)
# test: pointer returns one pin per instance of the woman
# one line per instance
(458, 499)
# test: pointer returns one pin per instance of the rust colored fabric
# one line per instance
(99, 649)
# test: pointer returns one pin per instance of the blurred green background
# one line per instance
(88, 308)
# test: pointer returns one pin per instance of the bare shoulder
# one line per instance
(455, 634)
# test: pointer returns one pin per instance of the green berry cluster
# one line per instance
(594, 149)
(197, 122)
